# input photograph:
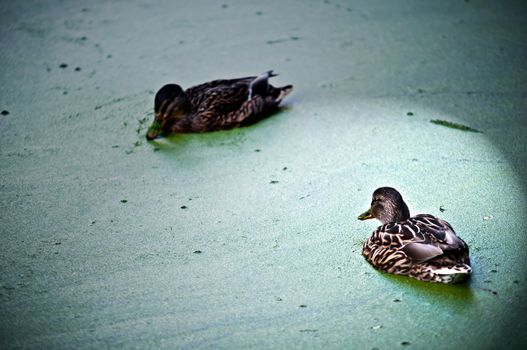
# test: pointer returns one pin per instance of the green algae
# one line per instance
(452, 125)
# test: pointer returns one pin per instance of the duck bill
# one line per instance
(366, 215)
(153, 132)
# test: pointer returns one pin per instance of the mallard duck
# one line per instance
(422, 246)
(219, 104)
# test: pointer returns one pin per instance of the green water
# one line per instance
(248, 238)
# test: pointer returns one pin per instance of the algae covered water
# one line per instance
(248, 238)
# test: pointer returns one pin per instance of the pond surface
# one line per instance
(248, 238)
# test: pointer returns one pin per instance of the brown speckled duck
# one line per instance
(216, 105)
(423, 246)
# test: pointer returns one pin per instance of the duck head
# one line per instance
(170, 104)
(387, 205)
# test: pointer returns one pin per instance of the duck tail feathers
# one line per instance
(284, 91)
(260, 84)
(267, 74)
(452, 274)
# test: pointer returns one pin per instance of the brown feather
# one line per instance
(221, 104)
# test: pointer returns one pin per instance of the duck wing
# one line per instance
(440, 232)
(421, 238)
(420, 252)
(432, 237)
(197, 93)
(223, 99)
(218, 107)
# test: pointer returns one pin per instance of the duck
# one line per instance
(422, 246)
(215, 105)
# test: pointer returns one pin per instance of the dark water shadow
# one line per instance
(455, 295)
(516, 311)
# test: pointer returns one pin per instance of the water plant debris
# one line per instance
(453, 125)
